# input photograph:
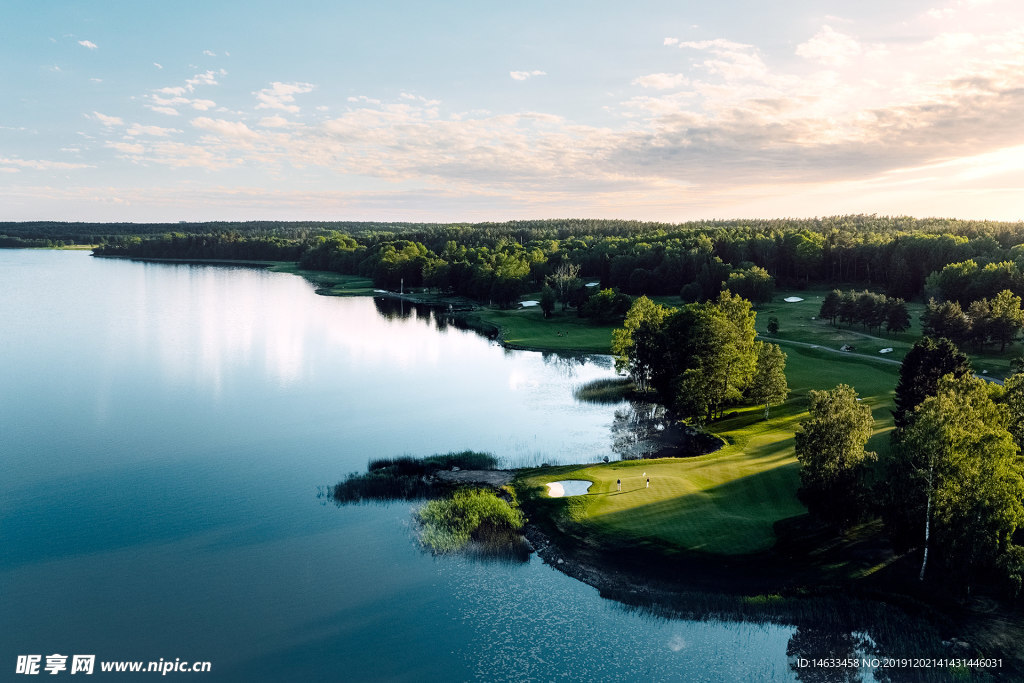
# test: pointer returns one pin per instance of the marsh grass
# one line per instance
(406, 478)
(477, 515)
(607, 390)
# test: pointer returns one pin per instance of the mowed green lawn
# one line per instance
(333, 284)
(563, 331)
(726, 502)
(799, 322)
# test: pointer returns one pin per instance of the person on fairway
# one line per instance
(648, 482)
(618, 484)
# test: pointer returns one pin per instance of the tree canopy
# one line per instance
(830, 448)
(960, 477)
(922, 367)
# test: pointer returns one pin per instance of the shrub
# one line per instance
(470, 514)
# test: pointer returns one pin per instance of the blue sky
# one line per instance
(464, 111)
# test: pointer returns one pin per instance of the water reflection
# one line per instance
(810, 644)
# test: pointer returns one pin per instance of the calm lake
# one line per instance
(165, 430)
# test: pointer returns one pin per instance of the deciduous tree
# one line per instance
(769, 385)
(924, 364)
(830, 448)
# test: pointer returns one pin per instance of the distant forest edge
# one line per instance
(499, 262)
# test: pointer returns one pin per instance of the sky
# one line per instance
(116, 110)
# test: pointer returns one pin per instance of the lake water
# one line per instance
(165, 430)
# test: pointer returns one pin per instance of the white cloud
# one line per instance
(282, 95)
(42, 165)
(209, 53)
(166, 100)
(205, 78)
(274, 122)
(228, 129)
(155, 131)
(523, 75)
(158, 65)
(88, 43)
(830, 47)
(661, 81)
(671, 41)
(96, 80)
(169, 111)
(108, 120)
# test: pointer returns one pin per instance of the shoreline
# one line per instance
(725, 588)
(467, 313)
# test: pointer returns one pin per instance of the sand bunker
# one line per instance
(792, 299)
(568, 487)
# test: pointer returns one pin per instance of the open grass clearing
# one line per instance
(564, 331)
(799, 322)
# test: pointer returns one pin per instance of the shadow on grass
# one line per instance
(735, 517)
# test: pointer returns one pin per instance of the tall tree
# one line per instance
(635, 345)
(1006, 318)
(947, 320)
(830, 306)
(924, 364)
(833, 462)
(1013, 399)
(960, 458)
(897, 318)
(548, 297)
(565, 280)
(768, 385)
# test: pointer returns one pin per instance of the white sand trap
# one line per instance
(885, 350)
(527, 304)
(593, 284)
(792, 299)
(568, 487)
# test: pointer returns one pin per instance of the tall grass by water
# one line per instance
(406, 477)
(606, 390)
(479, 515)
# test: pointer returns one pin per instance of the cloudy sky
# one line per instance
(459, 111)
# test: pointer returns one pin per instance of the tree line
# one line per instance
(869, 309)
(692, 260)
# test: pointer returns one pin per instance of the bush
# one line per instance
(470, 514)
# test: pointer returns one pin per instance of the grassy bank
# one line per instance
(527, 328)
(332, 284)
